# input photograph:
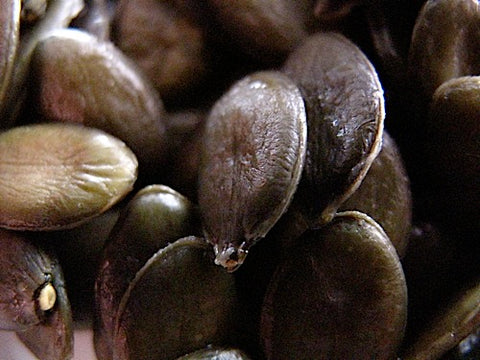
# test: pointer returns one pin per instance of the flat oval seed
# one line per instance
(252, 159)
(345, 115)
(340, 294)
(156, 216)
(58, 175)
(178, 302)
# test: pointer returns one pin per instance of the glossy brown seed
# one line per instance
(340, 294)
(180, 301)
(345, 114)
(33, 299)
(58, 175)
(80, 79)
(252, 158)
(444, 43)
(156, 216)
(385, 195)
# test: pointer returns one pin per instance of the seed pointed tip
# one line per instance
(230, 257)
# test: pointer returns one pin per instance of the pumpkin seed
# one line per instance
(345, 114)
(57, 175)
(179, 301)
(340, 294)
(154, 217)
(252, 159)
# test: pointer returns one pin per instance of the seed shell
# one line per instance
(252, 159)
(154, 217)
(345, 115)
(57, 175)
(340, 294)
(180, 301)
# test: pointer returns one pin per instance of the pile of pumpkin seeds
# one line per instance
(251, 179)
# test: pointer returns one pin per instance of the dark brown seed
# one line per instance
(385, 195)
(444, 43)
(345, 114)
(252, 158)
(340, 294)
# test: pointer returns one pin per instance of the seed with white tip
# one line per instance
(47, 297)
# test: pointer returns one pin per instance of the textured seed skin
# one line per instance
(57, 175)
(252, 159)
(345, 115)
